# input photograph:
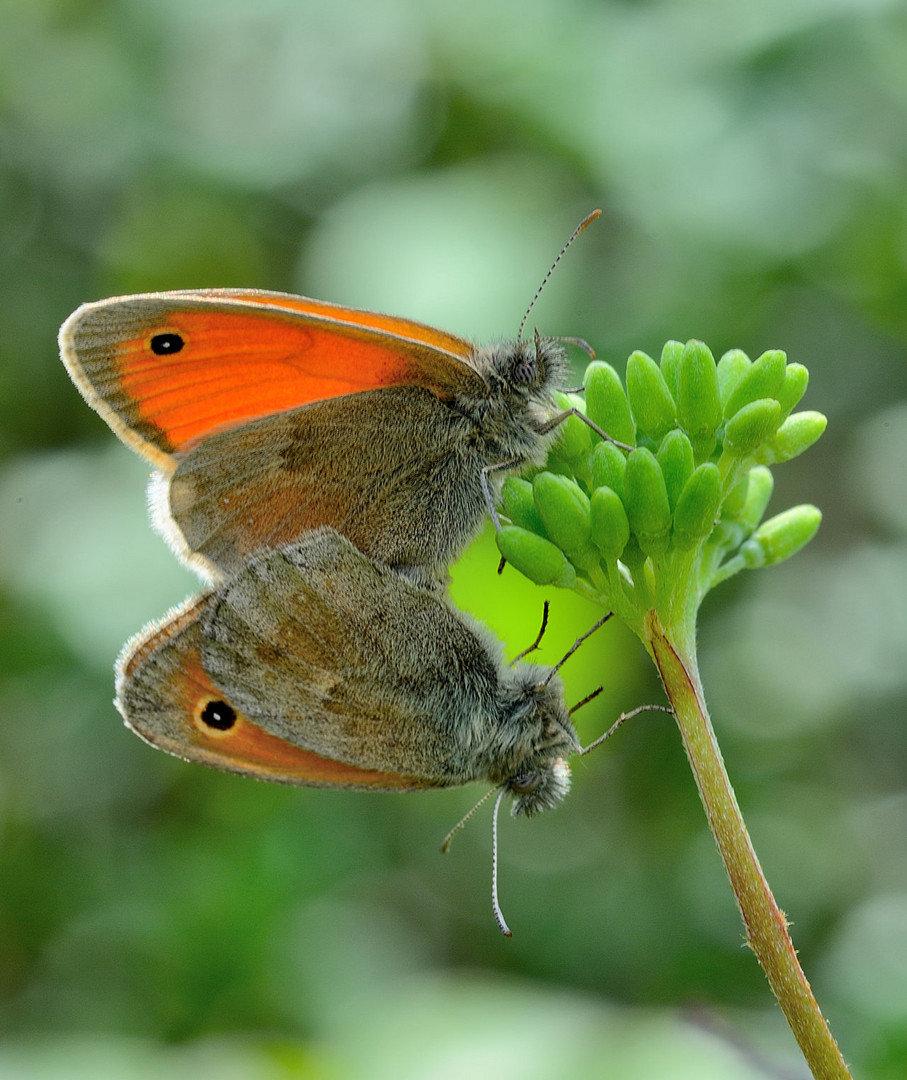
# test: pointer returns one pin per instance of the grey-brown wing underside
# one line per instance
(394, 470)
(327, 650)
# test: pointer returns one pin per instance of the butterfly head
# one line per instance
(541, 788)
(540, 776)
(517, 401)
(523, 370)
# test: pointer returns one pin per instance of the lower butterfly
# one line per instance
(316, 665)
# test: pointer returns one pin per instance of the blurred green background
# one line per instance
(428, 159)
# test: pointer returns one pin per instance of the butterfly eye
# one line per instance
(218, 715)
(524, 372)
(165, 344)
(525, 784)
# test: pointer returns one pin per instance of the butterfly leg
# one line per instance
(486, 487)
(576, 644)
(621, 720)
(561, 417)
(538, 638)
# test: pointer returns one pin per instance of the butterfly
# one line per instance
(316, 665)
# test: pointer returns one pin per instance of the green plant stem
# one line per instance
(766, 925)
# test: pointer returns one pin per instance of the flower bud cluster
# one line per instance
(681, 489)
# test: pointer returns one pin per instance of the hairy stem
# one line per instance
(766, 926)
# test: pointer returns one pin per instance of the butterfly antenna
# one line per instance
(459, 825)
(576, 644)
(580, 343)
(579, 228)
(538, 637)
(495, 905)
(621, 720)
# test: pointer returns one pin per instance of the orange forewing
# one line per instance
(242, 355)
(390, 324)
(235, 367)
(243, 748)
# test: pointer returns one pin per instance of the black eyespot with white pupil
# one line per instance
(165, 344)
(218, 715)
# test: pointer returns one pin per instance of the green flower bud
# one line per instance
(650, 399)
(736, 498)
(678, 514)
(537, 558)
(675, 457)
(564, 510)
(731, 369)
(670, 361)
(751, 425)
(782, 536)
(742, 510)
(518, 504)
(646, 501)
(609, 464)
(763, 380)
(698, 407)
(759, 492)
(698, 506)
(796, 380)
(556, 464)
(610, 527)
(798, 432)
(574, 438)
(606, 402)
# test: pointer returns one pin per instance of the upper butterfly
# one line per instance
(268, 414)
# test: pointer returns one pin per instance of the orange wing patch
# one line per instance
(232, 368)
(389, 324)
(249, 750)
